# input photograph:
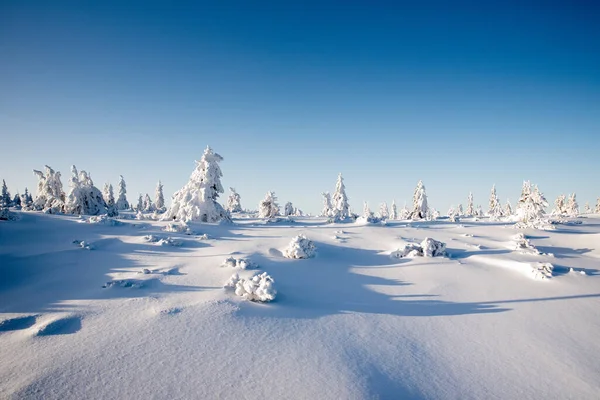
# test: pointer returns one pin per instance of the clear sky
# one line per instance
(291, 93)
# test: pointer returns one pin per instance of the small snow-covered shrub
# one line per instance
(178, 228)
(125, 283)
(257, 288)
(162, 241)
(101, 219)
(542, 270)
(300, 247)
(83, 244)
(241, 263)
(427, 248)
(522, 243)
(6, 215)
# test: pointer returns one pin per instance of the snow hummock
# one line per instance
(241, 263)
(300, 247)
(427, 248)
(257, 288)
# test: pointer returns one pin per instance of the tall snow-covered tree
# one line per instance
(5, 200)
(340, 200)
(460, 211)
(404, 213)
(495, 210)
(532, 204)
(50, 197)
(147, 204)
(470, 211)
(327, 207)
(393, 211)
(383, 211)
(140, 204)
(480, 212)
(572, 206)
(288, 209)
(122, 203)
(420, 207)
(76, 202)
(597, 209)
(367, 213)
(17, 201)
(508, 211)
(159, 198)
(560, 206)
(268, 207)
(111, 206)
(197, 200)
(233, 201)
(586, 208)
(84, 198)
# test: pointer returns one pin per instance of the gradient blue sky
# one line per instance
(460, 96)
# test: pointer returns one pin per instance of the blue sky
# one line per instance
(460, 96)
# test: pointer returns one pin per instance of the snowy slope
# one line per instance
(350, 323)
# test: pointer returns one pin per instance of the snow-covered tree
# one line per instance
(122, 203)
(327, 207)
(197, 200)
(460, 211)
(393, 211)
(159, 198)
(586, 208)
(111, 206)
(532, 204)
(233, 201)
(451, 211)
(560, 206)
(50, 197)
(84, 198)
(383, 211)
(288, 209)
(480, 212)
(26, 199)
(148, 206)
(508, 211)
(404, 213)
(268, 208)
(434, 214)
(420, 208)
(597, 210)
(572, 206)
(5, 200)
(470, 211)
(340, 200)
(495, 210)
(140, 204)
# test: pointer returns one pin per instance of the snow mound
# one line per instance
(83, 244)
(573, 271)
(542, 270)
(427, 248)
(257, 288)
(178, 228)
(101, 219)
(300, 247)
(242, 263)
(522, 243)
(162, 241)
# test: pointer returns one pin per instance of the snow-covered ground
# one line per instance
(131, 311)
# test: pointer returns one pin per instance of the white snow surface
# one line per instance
(133, 320)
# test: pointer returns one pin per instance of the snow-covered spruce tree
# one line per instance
(531, 205)
(597, 210)
(17, 201)
(508, 211)
(393, 211)
(288, 209)
(495, 211)
(470, 211)
(559, 206)
(340, 201)
(459, 210)
(268, 208)
(94, 203)
(50, 197)
(197, 200)
(420, 207)
(586, 208)
(147, 204)
(26, 200)
(159, 199)
(5, 200)
(383, 211)
(327, 207)
(480, 212)
(122, 203)
(404, 213)
(140, 204)
(572, 206)
(111, 206)
(233, 201)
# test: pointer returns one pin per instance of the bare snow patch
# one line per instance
(300, 247)
(257, 288)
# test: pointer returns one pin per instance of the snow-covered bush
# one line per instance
(163, 241)
(233, 201)
(4, 214)
(178, 228)
(522, 243)
(268, 208)
(101, 219)
(50, 197)
(427, 248)
(288, 209)
(300, 247)
(197, 200)
(242, 263)
(257, 288)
